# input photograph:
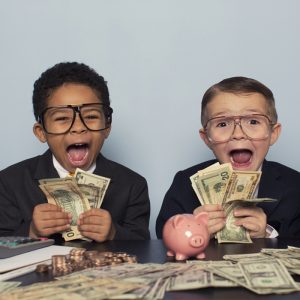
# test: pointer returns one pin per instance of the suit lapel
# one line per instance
(270, 186)
(103, 167)
(45, 168)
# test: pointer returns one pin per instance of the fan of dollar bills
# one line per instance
(75, 195)
(220, 184)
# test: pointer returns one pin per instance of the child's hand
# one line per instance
(216, 217)
(48, 219)
(253, 219)
(96, 224)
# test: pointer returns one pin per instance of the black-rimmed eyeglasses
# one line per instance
(60, 119)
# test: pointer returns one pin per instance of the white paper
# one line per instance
(32, 257)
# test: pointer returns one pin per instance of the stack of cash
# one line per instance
(220, 184)
(267, 272)
(75, 195)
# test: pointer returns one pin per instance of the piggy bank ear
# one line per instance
(178, 221)
(202, 217)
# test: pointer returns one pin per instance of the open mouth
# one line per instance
(241, 156)
(77, 153)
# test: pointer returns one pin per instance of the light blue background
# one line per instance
(158, 57)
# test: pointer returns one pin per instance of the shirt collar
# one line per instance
(62, 172)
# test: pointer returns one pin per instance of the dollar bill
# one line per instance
(68, 196)
(220, 184)
(247, 256)
(252, 200)
(195, 179)
(151, 281)
(196, 186)
(242, 185)
(211, 186)
(94, 181)
(50, 181)
(92, 193)
(86, 191)
(6, 286)
(269, 273)
(77, 287)
(232, 233)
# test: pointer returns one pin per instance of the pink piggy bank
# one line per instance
(186, 235)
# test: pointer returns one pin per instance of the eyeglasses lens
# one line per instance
(59, 120)
(221, 129)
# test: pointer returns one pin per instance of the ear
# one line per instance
(276, 130)
(107, 132)
(39, 132)
(178, 220)
(203, 136)
(202, 217)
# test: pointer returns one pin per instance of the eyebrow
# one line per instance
(247, 112)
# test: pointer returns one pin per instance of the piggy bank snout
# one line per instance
(197, 241)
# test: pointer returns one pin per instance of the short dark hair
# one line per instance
(67, 72)
(239, 85)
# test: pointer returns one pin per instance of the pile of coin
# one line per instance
(80, 258)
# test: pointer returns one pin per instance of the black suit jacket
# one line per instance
(277, 181)
(126, 198)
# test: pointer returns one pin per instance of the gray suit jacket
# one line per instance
(126, 198)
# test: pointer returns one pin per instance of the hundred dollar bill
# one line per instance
(94, 181)
(68, 196)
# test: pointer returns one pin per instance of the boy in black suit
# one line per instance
(239, 125)
(72, 109)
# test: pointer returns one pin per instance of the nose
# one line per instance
(78, 126)
(238, 132)
(196, 241)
